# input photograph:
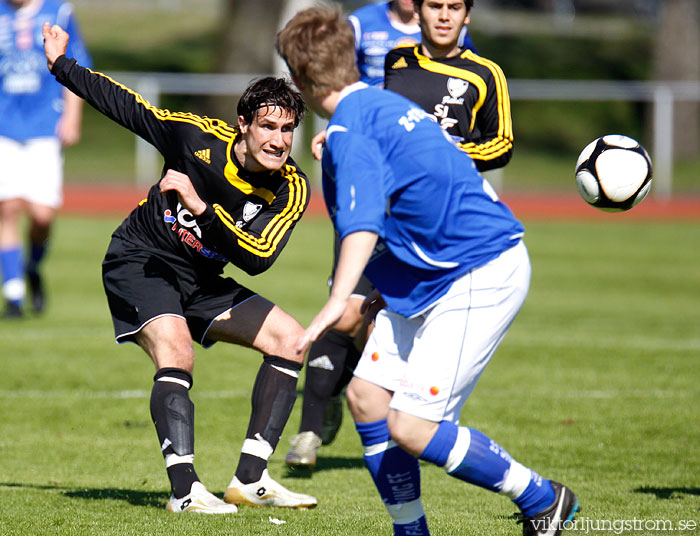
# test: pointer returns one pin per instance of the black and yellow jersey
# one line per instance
(466, 94)
(249, 216)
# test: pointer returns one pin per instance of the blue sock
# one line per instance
(396, 475)
(12, 274)
(36, 254)
(471, 456)
(440, 446)
(538, 495)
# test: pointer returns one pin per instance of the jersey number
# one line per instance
(412, 117)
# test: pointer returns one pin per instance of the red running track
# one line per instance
(119, 200)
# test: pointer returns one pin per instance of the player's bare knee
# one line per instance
(399, 429)
(285, 342)
(168, 352)
(411, 433)
(182, 359)
(41, 224)
(361, 406)
(350, 323)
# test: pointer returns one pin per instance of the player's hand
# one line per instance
(317, 144)
(68, 127)
(55, 42)
(325, 319)
(372, 304)
(181, 183)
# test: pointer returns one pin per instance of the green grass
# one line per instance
(596, 385)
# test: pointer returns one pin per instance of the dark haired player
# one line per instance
(227, 194)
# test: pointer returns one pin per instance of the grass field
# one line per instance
(596, 385)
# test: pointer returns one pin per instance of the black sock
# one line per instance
(274, 392)
(331, 361)
(173, 415)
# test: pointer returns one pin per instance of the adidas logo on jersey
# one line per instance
(204, 155)
(322, 362)
(400, 63)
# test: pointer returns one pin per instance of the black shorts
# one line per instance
(143, 284)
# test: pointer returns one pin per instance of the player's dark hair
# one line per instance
(418, 3)
(271, 91)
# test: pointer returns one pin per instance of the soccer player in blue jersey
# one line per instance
(447, 257)
(378, 28)
(475, 112)
(38, 118)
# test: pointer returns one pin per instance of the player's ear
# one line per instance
(469, 16)
(242, 125)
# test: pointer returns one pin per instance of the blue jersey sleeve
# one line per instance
(360, 198)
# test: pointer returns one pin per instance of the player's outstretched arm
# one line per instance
(107, 96)
(55, 42)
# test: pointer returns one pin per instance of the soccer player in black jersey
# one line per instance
(227, 194)
(465, 93)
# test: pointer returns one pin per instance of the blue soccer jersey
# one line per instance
(376, 34)
(31, 100)
(389, 169)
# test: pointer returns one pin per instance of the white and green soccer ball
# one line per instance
(613, 173)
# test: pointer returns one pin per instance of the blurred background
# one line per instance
(577, 69)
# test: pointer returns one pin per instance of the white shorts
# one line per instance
(432, 362)
(32, 170)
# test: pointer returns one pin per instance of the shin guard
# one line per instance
(172, 412)
(273, 397)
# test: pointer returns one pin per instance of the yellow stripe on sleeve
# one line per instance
(211, 126)
(503, 143)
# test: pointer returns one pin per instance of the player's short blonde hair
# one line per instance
(318, 45)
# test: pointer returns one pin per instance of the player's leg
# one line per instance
(40, 217)
(167, 341)
(322, 409)
(325, 367)
(259, 324)
(146, 309)
(331, 362)
(467, 327)
(11, 262)
(13, 176)
(44, 197)
(396, 473)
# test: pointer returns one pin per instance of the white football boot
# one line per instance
(302, 454)
(266, 492)
(201, 501)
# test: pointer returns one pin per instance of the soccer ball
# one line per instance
(613, 173)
